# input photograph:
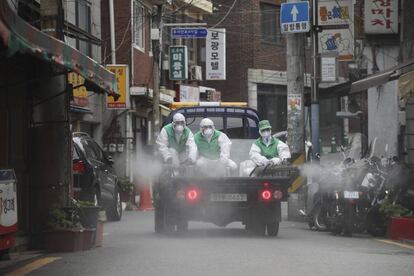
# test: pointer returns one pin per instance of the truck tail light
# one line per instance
(192, 194)
(78, 167)
(265, 195)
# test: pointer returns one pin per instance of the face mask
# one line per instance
(208, 132)
(265, 134)
(179, 128)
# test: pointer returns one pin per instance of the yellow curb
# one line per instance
(33, 266)
(400, 244)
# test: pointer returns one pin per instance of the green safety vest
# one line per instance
(208, 150)
(268, 151)
(172, 142)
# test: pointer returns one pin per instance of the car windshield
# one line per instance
(234, 127)
(194, 123)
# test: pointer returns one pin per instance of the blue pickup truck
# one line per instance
(255, 201)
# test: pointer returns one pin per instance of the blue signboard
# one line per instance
(294, 17)
(189, 32)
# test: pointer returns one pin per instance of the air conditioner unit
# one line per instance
(196, 73)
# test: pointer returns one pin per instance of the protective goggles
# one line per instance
(179, 123)
(266, 129)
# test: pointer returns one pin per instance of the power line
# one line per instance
(227, 14)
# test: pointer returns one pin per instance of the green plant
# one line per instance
(125, 185)
(60, 219)
(79, 204)
(389, 210)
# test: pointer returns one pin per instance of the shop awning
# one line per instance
(382, 77)
(19, 36)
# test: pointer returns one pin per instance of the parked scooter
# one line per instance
(322, 182)
(378, 181)
(356, 207)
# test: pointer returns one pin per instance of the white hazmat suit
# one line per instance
(176, 142)
(213, 146)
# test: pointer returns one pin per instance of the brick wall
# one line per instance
(245, 48)
(142, 70)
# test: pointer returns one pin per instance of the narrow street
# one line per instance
(132, 248)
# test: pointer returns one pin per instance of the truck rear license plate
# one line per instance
(228, 197)
(351, 194)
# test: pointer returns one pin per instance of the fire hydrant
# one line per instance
(333, 145)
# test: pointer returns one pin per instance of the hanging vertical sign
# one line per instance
(381, 16)
(121, 73)
(216, 54)
(338, 36)
(178, 63)
(328, 69)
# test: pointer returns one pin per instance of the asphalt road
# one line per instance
(132, 248)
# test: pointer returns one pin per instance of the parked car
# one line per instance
(94, 178)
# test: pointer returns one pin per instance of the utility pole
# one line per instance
(315, 83)
(51, 23)
(295, 89)
(112, 30)
(157, 48)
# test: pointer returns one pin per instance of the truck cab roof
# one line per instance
(236, 122)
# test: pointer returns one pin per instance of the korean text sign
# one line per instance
(80, 94)
(216, 54)
(121, 73)
(335, 12)
(178, 63)
(381, 17)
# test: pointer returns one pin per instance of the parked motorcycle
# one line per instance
(346, 206)
(362, 188)
(322, 181)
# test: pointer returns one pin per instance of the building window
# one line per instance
(83, 22)
(139, 25)
(270, 24)
(272, 105)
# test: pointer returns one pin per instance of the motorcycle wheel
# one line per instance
(319, 219)
(272, 229)
(348, 221)
(376, 224)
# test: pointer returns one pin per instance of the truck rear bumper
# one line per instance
(223, 214)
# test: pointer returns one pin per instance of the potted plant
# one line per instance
(400, 223)
(126, 188)
(64, 234)
(87, 213)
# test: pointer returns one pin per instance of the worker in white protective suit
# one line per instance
(176, 142)
(213, 146)
(268, 150)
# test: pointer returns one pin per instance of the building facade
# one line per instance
(256, 66)
(36, 116)
(137, 40)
